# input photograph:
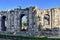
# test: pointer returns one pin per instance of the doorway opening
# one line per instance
(3, 23)
(23, 22)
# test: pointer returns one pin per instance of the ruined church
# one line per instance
(39, 22)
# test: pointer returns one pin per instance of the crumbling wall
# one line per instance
(39, 22)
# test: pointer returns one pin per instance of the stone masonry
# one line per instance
(39, 22)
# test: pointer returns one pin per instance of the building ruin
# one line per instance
(39, 22)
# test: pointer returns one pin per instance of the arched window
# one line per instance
(3, 23)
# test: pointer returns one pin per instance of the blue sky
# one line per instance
(42, 4)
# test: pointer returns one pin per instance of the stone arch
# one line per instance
(47, 18)
(3, 27)
(21, 16)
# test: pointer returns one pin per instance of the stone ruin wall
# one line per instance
(53, 16)
(38, 21)
(12, 18)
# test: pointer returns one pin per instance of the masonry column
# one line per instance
(0, 22)
(8, 22)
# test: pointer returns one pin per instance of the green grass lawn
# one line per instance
(27, 37)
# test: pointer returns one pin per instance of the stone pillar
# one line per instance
(50, 19)
(0, 22)
(30, 22)
(15, 20)
(19, 12)
(27, 14)
(20, 22)
(8, 22)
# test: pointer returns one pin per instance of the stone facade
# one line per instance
(38, 21)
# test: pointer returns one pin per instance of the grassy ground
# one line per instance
(27, 37)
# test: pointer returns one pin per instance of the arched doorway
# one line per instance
(3, 19)
(23, 22)
(47, 19)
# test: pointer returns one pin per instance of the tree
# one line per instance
(24, 23)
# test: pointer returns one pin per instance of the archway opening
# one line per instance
(3, 22)
(23, 22)
(47, 19)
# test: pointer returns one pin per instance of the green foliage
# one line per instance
(24, 23)
(27, 37)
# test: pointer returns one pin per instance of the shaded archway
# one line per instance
(3, 27)
(47, 19)
(21, 22)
